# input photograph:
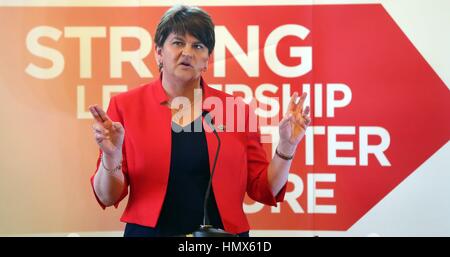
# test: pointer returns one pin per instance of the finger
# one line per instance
(307, 121)
(99, 138)
(117, 126)
(101, 130)
(306, 111)
(300, 103)
(98, 127)
(291, 106)
(107, 122)
(101, 113)
(95, 114)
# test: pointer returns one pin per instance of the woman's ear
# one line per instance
(205, 68)
(158, 50)
(158, 55)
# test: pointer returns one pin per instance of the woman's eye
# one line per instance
(198, 46)
(177, 43)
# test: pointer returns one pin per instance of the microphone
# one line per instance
(206, 229)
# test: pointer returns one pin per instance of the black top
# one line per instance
(182, 211)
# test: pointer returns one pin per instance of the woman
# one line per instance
(167, 171)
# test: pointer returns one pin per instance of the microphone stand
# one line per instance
(207, 230)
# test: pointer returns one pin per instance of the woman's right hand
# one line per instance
(108, 134)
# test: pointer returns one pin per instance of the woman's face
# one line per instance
(183, 57)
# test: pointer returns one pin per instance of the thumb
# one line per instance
(117, 126)
(108, 124)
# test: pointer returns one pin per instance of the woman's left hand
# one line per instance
(293, 126)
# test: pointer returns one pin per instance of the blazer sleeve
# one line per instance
(258, 187)
(114, 114)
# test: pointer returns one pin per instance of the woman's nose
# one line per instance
(187, 51)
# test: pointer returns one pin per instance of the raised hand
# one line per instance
(108, 134)
(293, 126)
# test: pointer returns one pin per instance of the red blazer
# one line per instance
(241, 166)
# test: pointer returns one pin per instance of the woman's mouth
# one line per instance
(185, 64)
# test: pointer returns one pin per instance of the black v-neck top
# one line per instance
(182, 211)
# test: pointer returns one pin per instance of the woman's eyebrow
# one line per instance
(182, 39)
(178, 38)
